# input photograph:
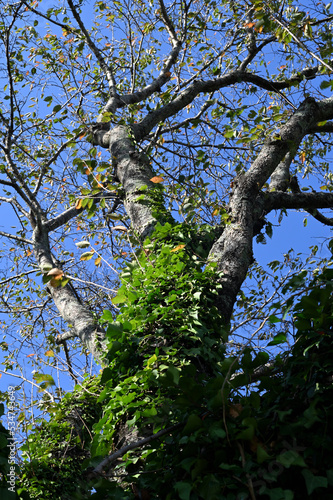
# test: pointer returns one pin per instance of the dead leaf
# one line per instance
(157, 179)
(78, 204)
(235, 410)
(179, 247)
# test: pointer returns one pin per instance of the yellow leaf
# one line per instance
(179, 247)
(216, 211)
(156, 179)
(98, 261)
(50, 354)
(78, 204)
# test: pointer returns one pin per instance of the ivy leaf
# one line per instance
(313, 482)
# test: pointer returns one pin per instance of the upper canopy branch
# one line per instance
(286, 141)
(135, 97)
(306, 201)
(190, 93)
(61, 219)
(104, 66)
(168, 23)
(328, 221)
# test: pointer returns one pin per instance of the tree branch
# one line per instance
(17, 276)
(138, 444)
(61, 219)
(302, 44)
(14, 237)
(328, 221)
(168, 23)
(56, 23)
(105, 68)
(306, 201)
(68, 304)
(188, 95)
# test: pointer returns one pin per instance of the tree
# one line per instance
(159, 138)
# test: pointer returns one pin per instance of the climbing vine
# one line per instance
(172, 415)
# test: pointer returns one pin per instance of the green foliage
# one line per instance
(167, 369)
(167, 365)
(297, 409)
(55, 450)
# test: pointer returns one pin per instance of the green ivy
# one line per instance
(55, 451)
(167, 369)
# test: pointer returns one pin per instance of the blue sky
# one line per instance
(290, 234)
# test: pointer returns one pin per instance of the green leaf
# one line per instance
(87, 255)
(262, 455)
(313, 482)
(106, 316)
(289, 458)
(120, 298)
(174, 373)
(325, 84)
(280, 338)
(44, 377)
(193, 423)
(274, 319)
(183, 489)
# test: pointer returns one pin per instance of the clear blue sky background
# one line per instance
(290, 234)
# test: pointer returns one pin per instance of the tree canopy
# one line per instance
(144, 147)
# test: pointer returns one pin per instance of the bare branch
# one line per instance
(168, 23)
(13, 201)
(328, 221)
(281, 175)
(65, 336)
(98, 54)
(63, 218)
(140, 95)
(188, 95)
(40, 388)
(16, 238)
